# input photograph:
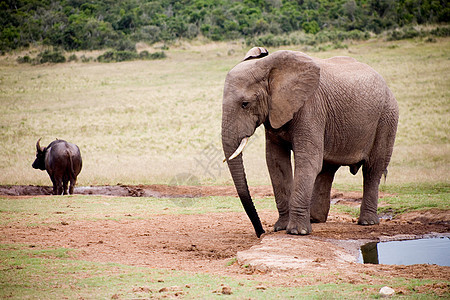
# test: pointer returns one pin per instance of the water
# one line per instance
(409, 252)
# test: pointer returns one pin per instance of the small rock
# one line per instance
(170, 289)
(226, 290)
(261, 287)
(386, 292)
(64, 223)
(140, 289)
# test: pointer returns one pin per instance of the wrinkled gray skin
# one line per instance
(328, 112)
(62, 160)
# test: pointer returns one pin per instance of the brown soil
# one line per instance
(205, 243)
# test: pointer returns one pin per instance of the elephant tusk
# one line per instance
(240, 148)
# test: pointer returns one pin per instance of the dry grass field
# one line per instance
(146, 122)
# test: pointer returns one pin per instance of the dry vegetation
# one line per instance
(147, 121)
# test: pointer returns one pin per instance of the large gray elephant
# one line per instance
(329, 112)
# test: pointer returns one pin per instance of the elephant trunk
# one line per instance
(237, 171)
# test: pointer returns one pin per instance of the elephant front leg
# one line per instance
(320, 201)
(299, 205)
(280, 169)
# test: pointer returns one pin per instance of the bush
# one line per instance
(73, 57)
(85, 59)
(118, 56)
(405, 33)
(441, 31)
(108, 56)
(156, 55)
(311, 27)
(24, 60)
(125, 45)
(125, 55)
(50, 56)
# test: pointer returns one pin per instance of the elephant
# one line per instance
(325, 113)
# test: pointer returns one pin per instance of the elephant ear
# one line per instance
(293, 79)
(256, 52)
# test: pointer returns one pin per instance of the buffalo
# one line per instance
(62, 160)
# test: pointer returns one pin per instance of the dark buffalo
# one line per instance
(62, 160)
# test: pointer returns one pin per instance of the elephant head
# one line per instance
(267, 89)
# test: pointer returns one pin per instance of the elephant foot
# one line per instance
(281, 224)
(369, 220)
(299, 228)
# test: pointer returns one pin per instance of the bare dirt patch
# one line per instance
(211, 242)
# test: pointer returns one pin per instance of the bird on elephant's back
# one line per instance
(327, 112)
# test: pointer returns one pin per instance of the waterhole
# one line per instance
(407, 252)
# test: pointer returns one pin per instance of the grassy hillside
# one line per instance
(146, 122)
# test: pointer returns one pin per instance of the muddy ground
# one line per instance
(210, 243)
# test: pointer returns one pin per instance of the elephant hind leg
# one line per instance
(373, 170)
(320, 201)
(368, 211)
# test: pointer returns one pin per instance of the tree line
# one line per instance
(119, 24)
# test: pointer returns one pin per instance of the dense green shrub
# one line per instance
(155, 55)
(50, 56)
(404, 33)
(100, 24)
(441, 31)
(125, 55)
(118, 56)
(72, 57)
(411, 32)
(24, 60)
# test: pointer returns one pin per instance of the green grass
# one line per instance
(52, 274)
(403, 198)
(416, 197)
(147, 121)
(55, 209)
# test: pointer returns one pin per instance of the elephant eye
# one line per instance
(245, 104)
